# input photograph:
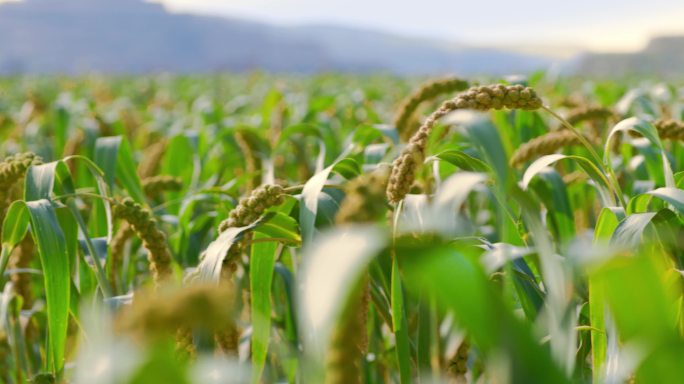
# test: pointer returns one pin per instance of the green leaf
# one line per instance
(262, 263)
(461, 160)
(282, 227)
(458, 284)
(113, 155)
(14, 229)
(400, 326)
(332, 266)
(54, 258)
(646, 129)
(308, 206)
(674, 196)
(209, 269)
(589, 168)
(348, 168)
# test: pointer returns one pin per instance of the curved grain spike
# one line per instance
(252, 163)
(153, 158)
(154, 240)
(544, 145)
(248, 210)
(156, 185)
(426, 92)
(587, 113)
(481, 98)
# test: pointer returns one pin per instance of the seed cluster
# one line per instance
(365, 198)
(249, 209)
(156, 185)
(481, 98)
(154, 240)
(426, 92)
(544, 145)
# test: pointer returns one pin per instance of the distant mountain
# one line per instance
(663, 56)
(132, 36)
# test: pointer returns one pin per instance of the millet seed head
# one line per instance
(154, 240)
(480, 98)
(426, 92)
(544, 145)
(250, 208)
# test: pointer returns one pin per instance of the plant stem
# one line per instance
(606, 168)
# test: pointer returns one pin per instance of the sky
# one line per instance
(597, 25)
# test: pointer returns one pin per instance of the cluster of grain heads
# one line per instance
(426, 92)
(156, 185)
(364, 202)
(162, 312)
(481, 98)
(544, 145)
(154, 240)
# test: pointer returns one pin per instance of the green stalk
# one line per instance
(605, 168)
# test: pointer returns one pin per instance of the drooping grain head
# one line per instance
(588, 113)
(250, 208)
(481, 98)
(544, 145)
(152, 160)
(154, 240)
(426, 92)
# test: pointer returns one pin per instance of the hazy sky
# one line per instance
(612, 25)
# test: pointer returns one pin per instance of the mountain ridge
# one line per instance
(132, 36)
